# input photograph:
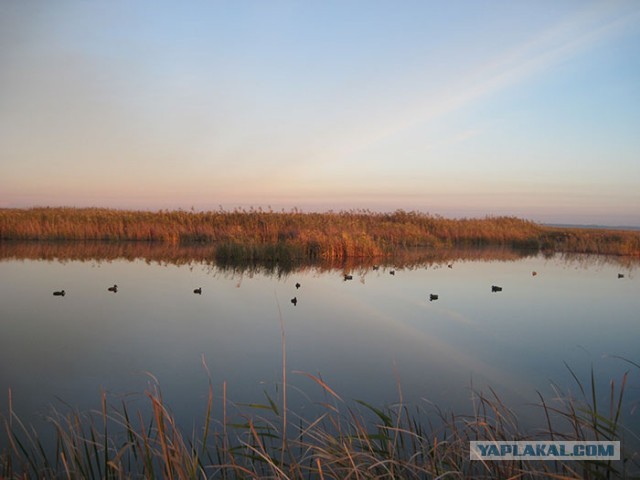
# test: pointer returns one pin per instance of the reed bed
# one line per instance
(344, 440)
(257, 234)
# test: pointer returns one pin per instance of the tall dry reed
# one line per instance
(261, 234)
(343, 440)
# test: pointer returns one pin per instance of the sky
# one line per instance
(455, 108)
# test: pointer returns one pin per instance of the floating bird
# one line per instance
(198, 291)
(294, 300)
(392, 272)
(433, 297)
(348, 277)
(620, 275)
(495, 288)
(534, 273)
(376, 267)
(450, 265)
(59, 293)
(298, 286)
(113, 289)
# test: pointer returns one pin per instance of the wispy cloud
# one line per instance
(513, 66)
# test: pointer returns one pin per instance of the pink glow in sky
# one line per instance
(454, 108)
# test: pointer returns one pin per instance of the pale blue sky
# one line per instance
(458, 108)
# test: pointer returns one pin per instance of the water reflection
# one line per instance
(167, 254)
(364, 336)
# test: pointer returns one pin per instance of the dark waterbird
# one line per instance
(348, 277)
(298, 285)
(113, 289)
(392, 272)
(450, 265)
(59, 293)
(376, 267)
(198, 291)
(621, 275)
(294, 300)
(495, 288)
(433, 297)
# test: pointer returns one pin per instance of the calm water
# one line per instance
(365, 337)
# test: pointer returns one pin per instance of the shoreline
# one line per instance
(265, 234)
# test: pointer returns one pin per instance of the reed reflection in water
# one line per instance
(364, 337)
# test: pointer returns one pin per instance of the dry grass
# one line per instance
(265, 234)
(358, 441)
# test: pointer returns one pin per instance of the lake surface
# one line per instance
(369, 338)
